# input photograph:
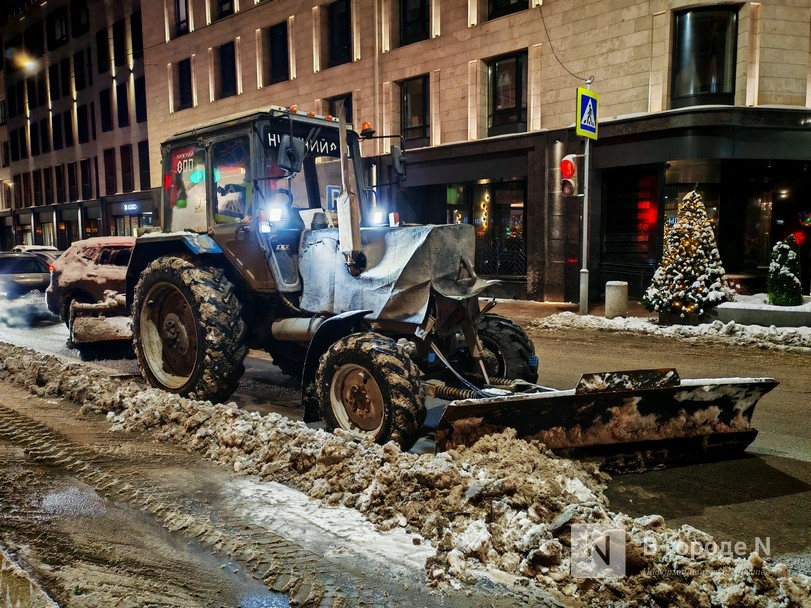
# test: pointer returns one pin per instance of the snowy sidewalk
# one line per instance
(557, 315)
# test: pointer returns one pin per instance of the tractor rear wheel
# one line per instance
(367, 386)
(509, 351)
(188, 332)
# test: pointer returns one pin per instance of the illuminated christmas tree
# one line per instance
(785, 288)
(690, 278)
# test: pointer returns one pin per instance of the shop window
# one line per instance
(227, 71)
(339, 30)
(110, 181)
(137, 36)
(704, 43)
(184, 85)
(143, 164)
(497, 211)
(336, 103)
(279, 57)
(119, 42)
(102, 51)
(85, 176)
(127, 178)
(414, 19)
(106, 109)
(57, 27)
(181, 17)
(140, 99)
(79, 17)
(630, 246)
(507, 102)
(414, 112)
(123, 105)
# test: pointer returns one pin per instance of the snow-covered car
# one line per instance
(86, 270)
(21, 273)
(29, 248)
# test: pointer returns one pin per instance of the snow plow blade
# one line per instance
(625, 420)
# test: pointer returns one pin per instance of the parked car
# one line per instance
(86, 270)
(21, 273)
(46, 255)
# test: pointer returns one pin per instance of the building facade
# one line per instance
(74, 139)
(713, 95)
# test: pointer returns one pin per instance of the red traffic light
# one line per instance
(567, 167)
(568, 174)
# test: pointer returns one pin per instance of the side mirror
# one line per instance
(291, 154)
(398, 162)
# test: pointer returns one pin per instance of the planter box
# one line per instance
(753, 310)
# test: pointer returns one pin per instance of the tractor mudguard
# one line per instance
(154, 245)
(329, 332)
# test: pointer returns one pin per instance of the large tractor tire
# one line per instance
(367, 386)
(188, 333)
(509, 353)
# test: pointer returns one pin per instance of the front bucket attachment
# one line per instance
(640, 417)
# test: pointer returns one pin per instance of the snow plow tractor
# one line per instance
(274, 239)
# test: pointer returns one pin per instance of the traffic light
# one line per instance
(568, 175)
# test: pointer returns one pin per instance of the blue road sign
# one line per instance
(587, 103)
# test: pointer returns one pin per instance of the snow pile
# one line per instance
(501, 508)
(730, 333)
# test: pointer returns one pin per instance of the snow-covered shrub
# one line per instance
(690, 278)
(785, 288)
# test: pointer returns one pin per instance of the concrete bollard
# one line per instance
(616, 299)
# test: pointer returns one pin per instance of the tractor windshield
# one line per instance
(319, 183)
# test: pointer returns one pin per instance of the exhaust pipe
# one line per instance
(296, 329)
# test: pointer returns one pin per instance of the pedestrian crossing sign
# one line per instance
(587, 102)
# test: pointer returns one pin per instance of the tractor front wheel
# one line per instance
(509, 353)
(188, 332)
(367, 386)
